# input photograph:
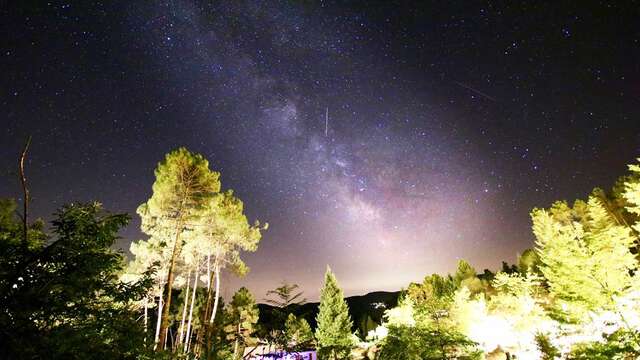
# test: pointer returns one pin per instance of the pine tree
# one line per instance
(334, 323)
(182, 187)
(285, 295)
(225, 231)
(242, 316)
(285, 299)
(298, 333)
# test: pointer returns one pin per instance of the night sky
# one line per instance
(446, 122)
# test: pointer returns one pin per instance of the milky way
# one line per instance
(386, 141)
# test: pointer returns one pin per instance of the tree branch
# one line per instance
(23, 180)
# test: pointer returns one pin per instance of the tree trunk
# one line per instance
(235, 347)
(193, 300)
(146, 318)
(185, 304)
(203, 333)
(157, 337)
(216, 268)
(166, 336)
(164, 324)
(209, 270)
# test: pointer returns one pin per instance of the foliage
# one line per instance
(435, 292)
(621, 345)
(546, 348)
(334, 323)
(181, 189)
(366, 325)
(241, 317)
(284, 299)
(401, 315)
(298, 333)
(631, 194)
(528, 262)
(585, 256)
(285, 295)
(225, 231)
(426, 342)
(63, 298)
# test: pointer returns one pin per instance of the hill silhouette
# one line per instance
(361, 307)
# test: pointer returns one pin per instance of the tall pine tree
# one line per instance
(184, 183)
(334, 323)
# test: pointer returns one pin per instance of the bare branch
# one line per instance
(25, 213)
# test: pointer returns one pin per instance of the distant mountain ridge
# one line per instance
(370, 305)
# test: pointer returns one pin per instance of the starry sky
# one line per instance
(386, 139)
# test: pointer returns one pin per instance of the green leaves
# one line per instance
(298, 334)
(334, 323)
(67, 300)
(585, 255)
(241, 316)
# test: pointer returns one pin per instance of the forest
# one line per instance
(67, 293)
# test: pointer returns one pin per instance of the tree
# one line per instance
(147, 254)
(366, 324)
(285, 295)
(67, 300)
(528, 262)
(547, 350)
(620, 345)
(466, 276)
(584, 255)
(427, 330)
(285, 299)
(226, 232)
(427, 342)
(298, 333)
(242, 316)
(631, 193)
(182, 187)
(334, 323)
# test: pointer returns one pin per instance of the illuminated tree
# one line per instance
(284, 298)
(426, 342)
(632, 193)
(298, 333)
(416, 334)
(584, 255)
(436, 292)
(241, 316)
(528, 262)
(621, 344)
(146, 254)
(182, 187)
(226, 232)
(334, 323)
(466, 276)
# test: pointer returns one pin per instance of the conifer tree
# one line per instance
(226, 231)
(285, 299)
(182, 187)
(242, 316)
(334, 322)
(298, 333)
